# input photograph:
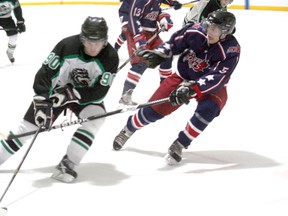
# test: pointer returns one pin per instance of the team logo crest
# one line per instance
(197, 64)
(80, 76)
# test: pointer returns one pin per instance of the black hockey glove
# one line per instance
(21, 26)
(64, 95)
(153, 58)
(42, 111)
(176, 5)
(182, 94)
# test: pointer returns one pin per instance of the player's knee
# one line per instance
(208, 109)
(139, 67)
(93, 125)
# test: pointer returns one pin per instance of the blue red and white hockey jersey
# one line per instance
(209, 65)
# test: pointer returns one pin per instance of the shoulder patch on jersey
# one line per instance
(234, 49)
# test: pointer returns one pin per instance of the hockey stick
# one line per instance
(136, 51)
(80, 121)
(3, 210)
(9, 29)
(182, 5)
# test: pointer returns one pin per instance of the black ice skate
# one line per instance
(126, 98)
(65, 171)
(174, 155)
(122, 138)
(10, 56)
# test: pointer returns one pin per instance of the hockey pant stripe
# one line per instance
(133, 77)
(121, 39)
(83, 138)
(142, 118)
(164, 73)
(205, 112)
(8, 148)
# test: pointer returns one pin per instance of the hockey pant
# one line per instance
(208, 107)
(81, 140)
(121, 40)
(8, 23)
(138, 65)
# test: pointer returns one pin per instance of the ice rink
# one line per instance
(237, 167)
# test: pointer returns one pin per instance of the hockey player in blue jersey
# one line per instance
(123, 10)
(143, 19)
(209, 53)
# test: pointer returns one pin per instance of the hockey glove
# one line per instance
(21, 26)
(153, 58)
(176, 5)
(166, 23)
(42, 111)
(140, 41)
(65, 95)
(182, 94)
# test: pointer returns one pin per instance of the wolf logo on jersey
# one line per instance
(80, 77)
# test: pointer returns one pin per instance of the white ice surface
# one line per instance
(237, 166)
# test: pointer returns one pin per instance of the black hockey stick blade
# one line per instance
(79, 121)
(3, 211)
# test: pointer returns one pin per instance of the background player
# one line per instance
(9, 26)
(122, 15)
(201, 10)
(143, 19)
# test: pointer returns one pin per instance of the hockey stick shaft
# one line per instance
(8, 29)
(19, 166)
(79, 121)
(191, 2)
(136, 51)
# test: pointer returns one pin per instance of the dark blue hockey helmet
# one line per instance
(224, 19)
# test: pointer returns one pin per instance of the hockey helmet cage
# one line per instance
(224, 19)
(94, 28)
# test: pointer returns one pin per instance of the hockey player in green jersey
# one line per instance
(9, 26)
(201, 10)
(76, 75)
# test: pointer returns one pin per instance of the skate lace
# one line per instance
(122, 138)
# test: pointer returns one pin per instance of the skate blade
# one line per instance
(63, 177)
(3, 211)
(170, 160)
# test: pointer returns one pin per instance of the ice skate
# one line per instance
(10, 56)
(174, 155)
(126, 98)
(122, 138)
(65, 171)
